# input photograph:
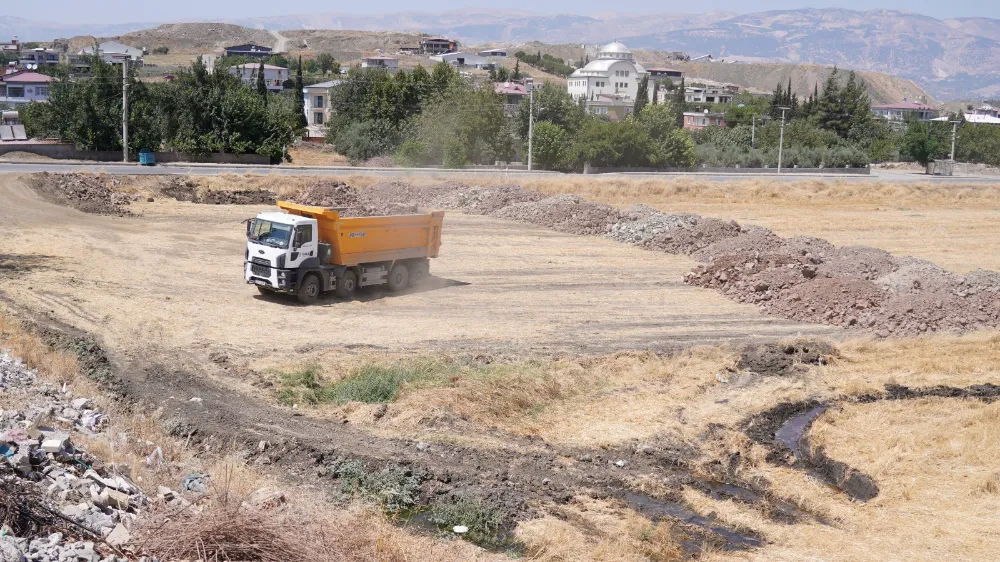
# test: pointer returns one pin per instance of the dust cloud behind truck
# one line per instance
(306, 251)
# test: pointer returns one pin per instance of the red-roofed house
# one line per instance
(21, 88)
(905, 111)
(513, 93)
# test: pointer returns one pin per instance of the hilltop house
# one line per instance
(513, 93)
(437, 45)
(38, 57)
(13, 46)
(493, 53)
(664, 73)
(379, 61)
(23, 87)
(695, 94)
(470, 60)
(248, 50)
(905, 111)
(317, 108)
(609, 83)
(274, 76)
(111, 52)
(696, 121)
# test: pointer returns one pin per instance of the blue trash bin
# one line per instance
(146, 157)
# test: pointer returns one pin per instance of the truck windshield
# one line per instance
(270, 233)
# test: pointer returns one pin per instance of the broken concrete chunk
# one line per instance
(119, 536)
(55, 444)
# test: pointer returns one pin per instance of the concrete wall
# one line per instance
(68, 152)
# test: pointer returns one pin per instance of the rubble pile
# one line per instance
(90, 504)
(350, 202)
(238, 197)
(84, 192)
(565, 213)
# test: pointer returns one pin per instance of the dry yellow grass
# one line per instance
(312, 154)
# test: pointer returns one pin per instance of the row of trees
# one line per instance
(197, 112)
(323, 63)
(546, 62)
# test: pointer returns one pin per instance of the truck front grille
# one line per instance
(260, 267)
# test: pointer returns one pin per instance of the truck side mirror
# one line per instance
(249, 223)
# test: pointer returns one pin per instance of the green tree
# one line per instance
(550, 146)
(921, 144)
(325, 62)
(641, 95)
(669, 145)
(261, 84)
(471, 117)
(516, 75)
(300, 99)
(679, 103)
(311, 66)
(552, 104)
(656, 92)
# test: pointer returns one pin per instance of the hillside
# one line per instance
(184, 38)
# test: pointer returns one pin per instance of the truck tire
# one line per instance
(309, 289)
(346, 284)
(419, 272)
(398, 277)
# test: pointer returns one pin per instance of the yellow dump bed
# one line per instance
(373, 239)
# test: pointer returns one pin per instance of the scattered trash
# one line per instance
(621, 463)
(460, 529)
(155, 459)
(197, 483)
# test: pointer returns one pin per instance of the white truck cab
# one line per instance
(279, 244)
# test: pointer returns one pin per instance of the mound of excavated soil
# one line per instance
(353, 203)
(565, 213)
(238, 197)
(84, 192)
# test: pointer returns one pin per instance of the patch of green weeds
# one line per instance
(393, 487)
(488, 524)
(369, 383)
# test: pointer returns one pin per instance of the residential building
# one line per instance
(470, 60)
(905, 111)
(987, 109)
(608, 81)
(23, 87)
(696, 121)
(274, 76)
(408, 50)
(437, 45)
(38, 57)
(981, 119)
(513, 94)
(612, 106)
(13, 46)
(114, 48)
(379, 61)
(493, 53)
(248, 50)
(664, 73)
(697, 94)
(317, 108)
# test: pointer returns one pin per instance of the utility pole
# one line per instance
(954, 133)
(125, 110)
(531, 122)
(781, 141)
(753, 132)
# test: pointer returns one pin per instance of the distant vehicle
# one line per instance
(307, 251)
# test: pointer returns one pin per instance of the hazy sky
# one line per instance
(123, 11)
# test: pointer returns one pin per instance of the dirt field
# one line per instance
(576, 381)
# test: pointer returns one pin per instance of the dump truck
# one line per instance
(306, 251)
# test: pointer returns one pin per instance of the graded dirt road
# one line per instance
(171, 279)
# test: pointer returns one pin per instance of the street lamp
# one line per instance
(781, 138)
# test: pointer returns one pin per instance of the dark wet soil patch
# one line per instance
(773, 359)
(706, 527)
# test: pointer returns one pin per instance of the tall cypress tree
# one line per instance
(641, 95)
(679, 103)
(261, 84)
(300, 99)
(656, 92)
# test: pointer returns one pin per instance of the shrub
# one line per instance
(394, 488)
(373, 384)
(487, 523)
(411, 154)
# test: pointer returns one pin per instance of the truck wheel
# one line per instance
(419, 273)
(309, 289)
(398, 278)
(346, 284)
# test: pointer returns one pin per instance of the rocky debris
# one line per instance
(89, 193)
(484, 200)
(237, 197)
(350, 201)
(53, 483)
(565, 213)
(640, 223)
(180, 189)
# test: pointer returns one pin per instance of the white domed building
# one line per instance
(608, 83)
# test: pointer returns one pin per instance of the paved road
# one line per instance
(216, 169)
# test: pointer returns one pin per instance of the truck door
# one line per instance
(304, 245)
